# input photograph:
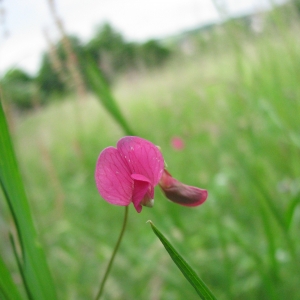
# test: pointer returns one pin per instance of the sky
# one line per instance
(23, 22)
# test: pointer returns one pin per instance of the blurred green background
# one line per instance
(231, 93)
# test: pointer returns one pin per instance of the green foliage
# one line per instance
(115, 55)
(8, 289)
(32, 263)
(200, 287)
(152, 54)
(48, 79)
(102, 91)
(110, 52)
(296, 5)
(54, 74)
(17, 75)
(19, 88)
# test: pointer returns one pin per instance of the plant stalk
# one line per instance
(101, 289)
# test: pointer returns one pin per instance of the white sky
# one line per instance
(22, 22)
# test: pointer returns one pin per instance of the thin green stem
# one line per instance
(101, 289)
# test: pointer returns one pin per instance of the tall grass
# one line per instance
(237, 109)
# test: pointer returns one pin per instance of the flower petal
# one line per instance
(181, 193)
(112, 177)
(140, 190)
(143, 157)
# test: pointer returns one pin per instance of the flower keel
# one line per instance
(181, 193)
(140, 191)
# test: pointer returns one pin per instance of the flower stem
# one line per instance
(113, 255)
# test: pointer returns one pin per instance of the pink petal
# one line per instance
(141, 187)
(112, 177)
(180, 193)
(143, 157)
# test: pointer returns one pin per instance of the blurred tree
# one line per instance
(108, 48)
(19, 88)
(52, 77)
(48, 79)
(111, 52)
(153, 54)
(106, 38)
(114, 55)
(297, 5)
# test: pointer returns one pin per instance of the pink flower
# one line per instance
(181, 193)
(130, 172)
(177, 143)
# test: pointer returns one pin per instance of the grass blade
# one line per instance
(258, 260)
(200, 287)
(8, 289)
(34, 265)
(103, 93)
(291, 210)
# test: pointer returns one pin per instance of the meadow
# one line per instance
(236, 107)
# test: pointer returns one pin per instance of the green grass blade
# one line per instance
(8, 289)
(291, 210)
(268, 205)
(103, 93)
(258, 184)
(258, 259)
(200, 287)
(20, 266)
(34, 265)
(228, 266)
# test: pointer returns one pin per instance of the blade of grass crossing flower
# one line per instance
(200, 287)
(33, 262)
(8, 289)
(103, 93)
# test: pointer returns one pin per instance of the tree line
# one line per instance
(108, 49)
